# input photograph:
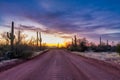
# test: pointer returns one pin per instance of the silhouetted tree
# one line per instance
(118, 48)
(83, 45)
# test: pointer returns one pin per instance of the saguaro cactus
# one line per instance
(72, 42)
(100, 41)
(11, 36)
(75, 40)
(40, 39)
(37, 38)
(107, 43)
(19, 37)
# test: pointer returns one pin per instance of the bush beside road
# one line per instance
(6, 64)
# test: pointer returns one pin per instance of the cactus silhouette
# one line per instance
(72, 42)
(11, 36)
(75, 40)
(37, 38)
(107, 43)
(40, 39)
(100, 41)
(19, 37)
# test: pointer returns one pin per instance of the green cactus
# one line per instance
(11, 36)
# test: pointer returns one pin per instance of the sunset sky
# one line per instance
(59, 20)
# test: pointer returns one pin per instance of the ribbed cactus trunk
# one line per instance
(19, 37)
(11, 36)
(37, 39)
(107, 43)
(72, 42)
(75, 40)
(40, 40)
(100, 41)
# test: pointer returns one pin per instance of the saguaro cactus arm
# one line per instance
(8, 35)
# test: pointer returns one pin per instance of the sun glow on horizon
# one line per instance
(48, 39)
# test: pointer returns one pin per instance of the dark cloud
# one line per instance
(67, 37)
(46, 30)
(27, 27)
(60, 17)
(112, 36)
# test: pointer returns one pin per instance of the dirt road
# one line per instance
(61, 65)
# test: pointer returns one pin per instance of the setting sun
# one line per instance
(53, 40)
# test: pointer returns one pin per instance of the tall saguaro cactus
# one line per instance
(19, 36)
(100, 41)
(107, 43)
(40, 39)
(72, 42)
(37, 38)
(11, 36)
(75, 40)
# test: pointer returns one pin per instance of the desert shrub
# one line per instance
(118, 48)
(1, 54)
(22, 48)
(4, 48)
(26, 54)
(83, 46)
(73, 48)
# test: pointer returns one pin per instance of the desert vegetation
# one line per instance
(15, 46)
(118, 48)
(83, 45)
